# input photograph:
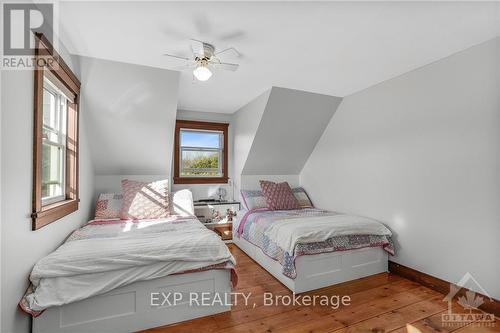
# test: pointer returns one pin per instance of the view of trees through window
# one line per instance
(201, 153)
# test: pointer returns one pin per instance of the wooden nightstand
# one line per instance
(225, 231)
(205, 210)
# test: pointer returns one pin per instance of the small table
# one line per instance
(204, 211)
(207, 208)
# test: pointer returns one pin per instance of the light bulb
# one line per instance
(202, 73)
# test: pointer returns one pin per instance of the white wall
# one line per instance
(245, 124)
(131, 111)
(203, 191)
(113, 183)
(420, 152)
(252, 182)
(21, 247)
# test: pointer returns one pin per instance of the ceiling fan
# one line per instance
(205, 59)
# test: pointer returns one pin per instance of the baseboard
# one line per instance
(441, 286)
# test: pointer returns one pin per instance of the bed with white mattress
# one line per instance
(310, 248)
(113, 275)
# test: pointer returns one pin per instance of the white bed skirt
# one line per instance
(321, 270)
(129, 308)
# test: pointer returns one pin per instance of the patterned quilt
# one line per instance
(255, 223)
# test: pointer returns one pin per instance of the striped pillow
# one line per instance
(279, 196)
(302, 197)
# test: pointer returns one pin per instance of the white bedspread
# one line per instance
(288, 232)
(99, 258)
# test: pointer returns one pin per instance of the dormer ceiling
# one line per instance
(130, 111)
(332, 48)
(290, 127)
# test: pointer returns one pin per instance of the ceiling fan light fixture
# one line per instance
(202, 73)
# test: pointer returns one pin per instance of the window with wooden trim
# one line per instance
(200, 152)
(55, 136)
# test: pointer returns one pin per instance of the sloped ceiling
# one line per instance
(245, 124)
(289, 129)
(130, 112)
(329, 47)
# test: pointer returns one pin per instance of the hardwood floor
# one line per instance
(379, 303)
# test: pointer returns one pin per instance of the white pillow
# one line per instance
(182, 203)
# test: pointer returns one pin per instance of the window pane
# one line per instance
(49, 110)
(200, 139)
(53, 143)
(51, 117)
(52, 171)
(200, 163)
(51, 135)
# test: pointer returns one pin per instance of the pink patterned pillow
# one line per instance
(279, 196)
(108, 206)
(145, 200)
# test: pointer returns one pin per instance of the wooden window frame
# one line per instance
(200, 125)
(47, 59)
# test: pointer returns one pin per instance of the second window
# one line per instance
(200, 152)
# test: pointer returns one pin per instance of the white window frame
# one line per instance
(219, 151)
(61, 137)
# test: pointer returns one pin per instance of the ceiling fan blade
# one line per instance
(225, 66)
(197, 47)
(175, 56)
(230, 50)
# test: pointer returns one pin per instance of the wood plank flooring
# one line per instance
(379, 303)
